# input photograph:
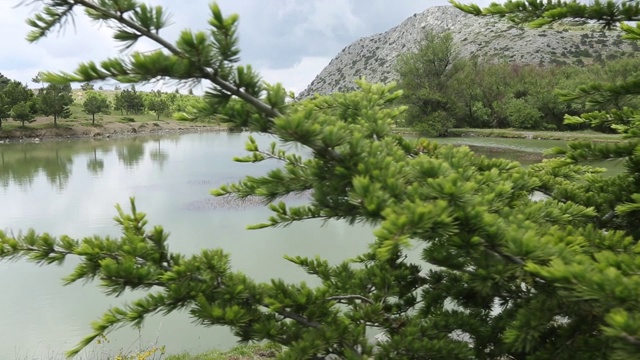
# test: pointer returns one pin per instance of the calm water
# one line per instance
(72, 187)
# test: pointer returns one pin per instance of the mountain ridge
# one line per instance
(491, 38)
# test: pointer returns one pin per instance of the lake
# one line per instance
(71, 187)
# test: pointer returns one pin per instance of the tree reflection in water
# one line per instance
(22, 164)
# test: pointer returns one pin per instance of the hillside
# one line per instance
(489, 38)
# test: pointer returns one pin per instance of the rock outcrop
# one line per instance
(489, 38)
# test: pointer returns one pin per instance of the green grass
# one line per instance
(241, 352)
(533, 134)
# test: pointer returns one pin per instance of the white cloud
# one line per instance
(297, 77)
(286, 40)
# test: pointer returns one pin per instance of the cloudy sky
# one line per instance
(289, 41)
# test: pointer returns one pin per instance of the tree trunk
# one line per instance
(23, 123)
(0, 123)
(93, 119)
(158, 116)
(55, 120)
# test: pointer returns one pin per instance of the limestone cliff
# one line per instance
(489, 38)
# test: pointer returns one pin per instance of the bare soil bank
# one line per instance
(36, 132)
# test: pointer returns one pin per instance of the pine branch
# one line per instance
(295, 317)
(342, 298)
(206, 73)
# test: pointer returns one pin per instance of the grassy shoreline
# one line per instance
(144, 125)
(582, 135)
(108, 129)
(240, 352)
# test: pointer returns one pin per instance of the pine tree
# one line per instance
(95, 103)
(500, 275)
(87, 87)
(4, 81)
(129, 101)
(5, 110)
(605, 276)
(22, 112)
(54, 100)
(119, 103)
(12, 93)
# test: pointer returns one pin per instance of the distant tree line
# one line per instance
(130, 101)
(19, 103)
(442, 90)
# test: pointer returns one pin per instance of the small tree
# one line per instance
(119, 103)
(95, 103)
(22, 112)
(4, 81)
(54, 100)
(5, 109)
(129, 101)
(157, 103)
(37, 79)
(86, 86)
(12, 93)
(424, 77)
(16, 92)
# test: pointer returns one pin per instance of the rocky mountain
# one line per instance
(489, 38)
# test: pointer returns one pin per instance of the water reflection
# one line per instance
(23, 164)
(95, 165)
(158, 155)
(130, 153)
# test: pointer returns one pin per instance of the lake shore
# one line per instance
(43, 130)
(581, 135)
(239, 352)
(36, 132)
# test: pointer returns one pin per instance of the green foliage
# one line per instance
(86, 86)
(4, 81)
(94, 103)
(190, 108)
(613, 100)
(521, 114)
(157, 103)
(15, 93)
(12, 94)
(465, 263)
(22, 112)
(54, 100)
(538, 13)
(5, 110)
(240, 352)
(477, 94)
(129, 101)
(425, 77)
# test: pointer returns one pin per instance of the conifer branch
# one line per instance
(296, 317)
(342, 298)
(206, 73)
